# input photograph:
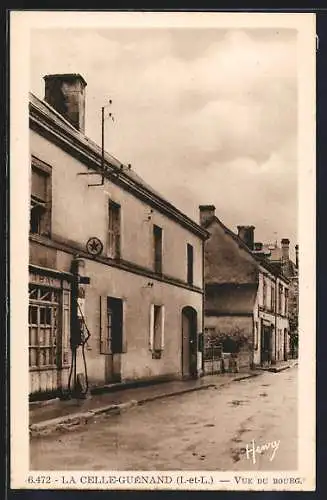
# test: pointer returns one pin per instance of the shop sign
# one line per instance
(44, 280)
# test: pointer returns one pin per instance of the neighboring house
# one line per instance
(280, 255)
(112, 259)
(245, 300)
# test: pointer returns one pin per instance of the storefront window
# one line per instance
(49, 310)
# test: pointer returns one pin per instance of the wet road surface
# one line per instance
(205, 430)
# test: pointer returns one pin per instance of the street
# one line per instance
(214, 429)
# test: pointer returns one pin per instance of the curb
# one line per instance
(175, 393)
(251, 375)
(281, 368)
(68, 422)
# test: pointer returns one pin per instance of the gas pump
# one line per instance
(80, 334)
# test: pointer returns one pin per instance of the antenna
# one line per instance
(103, 118)
(276, 242)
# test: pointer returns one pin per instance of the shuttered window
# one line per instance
(280, 299)
(189, 264)
(286, 302)
(40, 204)
(273, 298)
(264, 292)
(157, 248)
(113, 246)
(157, 330)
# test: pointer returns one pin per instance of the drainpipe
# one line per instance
(253, 326)
(253, 342)
(273, 362)
(203, 304)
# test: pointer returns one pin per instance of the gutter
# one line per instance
(275, 319)
(203, 306)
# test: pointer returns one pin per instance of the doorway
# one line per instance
(189, 342)
(285, 344)
(114, 339)
(266, 340)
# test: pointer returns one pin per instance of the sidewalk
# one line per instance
(59, 415)
(279, 366)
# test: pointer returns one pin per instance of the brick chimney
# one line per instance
(66, 94)
(246, 234)
(207, 212)
(297, 256)
(285, 243)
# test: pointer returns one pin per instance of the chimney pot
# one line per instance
(285, 243)
(66, 94)
(246, 234)
(207, 212)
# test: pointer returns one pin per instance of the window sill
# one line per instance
(40, 237)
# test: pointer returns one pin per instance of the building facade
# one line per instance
(279, 255)
(246, 300)
(114, 267)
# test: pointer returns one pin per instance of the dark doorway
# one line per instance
(114, 338)
(285, 345)
(189, 342)
(266, 339)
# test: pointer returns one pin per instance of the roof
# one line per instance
(269, 266)
(57, 128)
(233, 298)
(273, 254)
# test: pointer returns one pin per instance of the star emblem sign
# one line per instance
(94, 246)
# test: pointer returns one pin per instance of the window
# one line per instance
(280, 299)
(273, 298)
(286, 302)
(113, 249)
(264, 292)
(44, 306)
(40, 208)
(189, 264)
(157, 247)
(157, 321)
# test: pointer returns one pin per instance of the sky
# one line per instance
(205, 116)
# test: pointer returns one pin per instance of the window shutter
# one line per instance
(151, 333)
(162, 327)
(117, 325)
(123, 333)
(117, 231)
(104, 348)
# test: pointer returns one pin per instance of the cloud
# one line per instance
(202, 115)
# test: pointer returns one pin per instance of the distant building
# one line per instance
(109, 258)
(280, 255)
(246, 300)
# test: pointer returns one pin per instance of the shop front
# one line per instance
(49, 331)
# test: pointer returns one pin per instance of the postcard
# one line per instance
(162, 258)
